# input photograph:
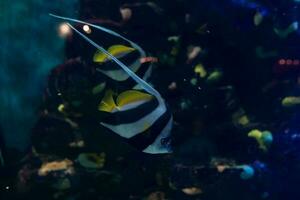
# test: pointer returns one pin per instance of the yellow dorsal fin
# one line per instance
(99, 57)
(107, 104)
(115, 50)
(131, 96)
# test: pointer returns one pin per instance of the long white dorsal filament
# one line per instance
(136, 78)
(133, 44)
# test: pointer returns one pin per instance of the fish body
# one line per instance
(263, 138)
(137, 117)
(136, 60)
(142, 118)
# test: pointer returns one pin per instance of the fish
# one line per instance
(247, 173)
(258, 18)
(139, 63)
(148, 130)
(283, 33)
(134, 55)
(200, 70)
(263, 138)
(215, 76)
(290, 101)
(118, 51)
(137, 116)
(91, 160)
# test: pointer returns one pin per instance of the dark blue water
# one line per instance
(214, 115)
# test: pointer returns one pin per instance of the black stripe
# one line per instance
(129, 82)
(140, 72)
(144, 139)
(131, 115)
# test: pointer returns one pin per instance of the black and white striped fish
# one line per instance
(136, 59)
(140, 117)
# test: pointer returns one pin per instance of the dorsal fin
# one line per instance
(115, 50)
(111, 32)
(131, 96)
(136, 78)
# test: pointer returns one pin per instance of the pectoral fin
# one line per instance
(107, 104)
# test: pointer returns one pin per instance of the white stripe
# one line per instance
(148, 73)
(131, 129)
(145, 78)
(156, 147)
(119, 74)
